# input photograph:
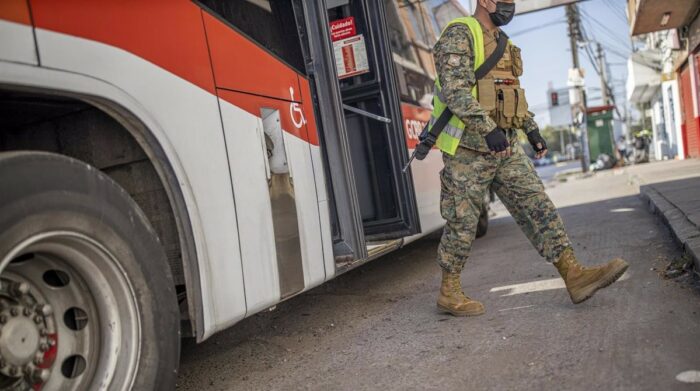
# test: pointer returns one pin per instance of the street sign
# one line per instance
(526, 6)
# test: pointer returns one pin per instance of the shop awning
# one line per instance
(648, 16)
(644, 76)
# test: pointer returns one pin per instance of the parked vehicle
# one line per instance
(170, 168)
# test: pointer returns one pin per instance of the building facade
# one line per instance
(414, 27)
(663, 76)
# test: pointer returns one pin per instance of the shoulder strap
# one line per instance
(494, 58)
(430, 133)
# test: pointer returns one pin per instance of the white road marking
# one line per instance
(689, 377)
(620, 210)
(516, 308)
(537, 286)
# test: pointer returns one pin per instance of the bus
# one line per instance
(168, 168)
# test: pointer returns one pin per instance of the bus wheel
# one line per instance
(86, 297)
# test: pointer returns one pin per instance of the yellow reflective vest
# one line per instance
(448, 141)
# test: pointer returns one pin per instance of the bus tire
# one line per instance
(88, 301)
(483, 225)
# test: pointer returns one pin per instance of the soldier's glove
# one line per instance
(497, 140)
(536, 140)
(424, 147)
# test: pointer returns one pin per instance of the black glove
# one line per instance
(425, 145)
(497, 140)
(535, 138)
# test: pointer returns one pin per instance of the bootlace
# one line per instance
(455, 286)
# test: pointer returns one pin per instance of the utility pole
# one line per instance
(578, 104)
(603, 66)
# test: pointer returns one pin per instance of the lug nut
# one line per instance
(44, 347)
(3, 319)
(43, 332)
(20, 289)
(27, 312)
(29, 368)
(46, 310)
(13, 371)
(40, 375)
(2, 363)
(38, 319)
(14, 311)
(38, 359)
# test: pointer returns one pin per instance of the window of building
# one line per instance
(398, 39)
(442, 13)
(270, 23)
(421, 28)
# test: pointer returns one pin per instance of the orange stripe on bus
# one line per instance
(15, 11)
(241, 65)
(171, 34)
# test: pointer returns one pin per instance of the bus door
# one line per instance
(348, 39)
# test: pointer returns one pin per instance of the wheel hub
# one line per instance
(25, 333)
(63, 286)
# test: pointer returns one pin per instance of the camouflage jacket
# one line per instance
(454, 61)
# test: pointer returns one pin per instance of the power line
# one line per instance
(587, 49)
(525, 31)
(607, 30)
(615, 52)
(618, 12)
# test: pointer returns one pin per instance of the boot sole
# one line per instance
(611, 277)
(460, 313)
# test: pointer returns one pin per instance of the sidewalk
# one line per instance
(672, 190)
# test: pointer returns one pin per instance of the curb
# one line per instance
(686, 234)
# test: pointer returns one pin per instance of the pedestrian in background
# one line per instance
(622, 150)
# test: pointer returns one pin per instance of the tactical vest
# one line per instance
(498, 93)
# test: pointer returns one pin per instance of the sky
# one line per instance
(543, 38)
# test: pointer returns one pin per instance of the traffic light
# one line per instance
(554, 96)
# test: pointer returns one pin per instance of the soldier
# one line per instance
(480, 149)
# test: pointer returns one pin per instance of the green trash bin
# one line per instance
(600, 131)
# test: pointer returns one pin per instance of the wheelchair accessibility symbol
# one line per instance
(295, 111)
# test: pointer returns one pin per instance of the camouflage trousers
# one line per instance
(465, 181)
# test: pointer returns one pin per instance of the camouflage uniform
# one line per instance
(468, 174)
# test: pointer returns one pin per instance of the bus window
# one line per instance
(266, 22)
(415, 80)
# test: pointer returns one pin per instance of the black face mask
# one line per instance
(504, 13)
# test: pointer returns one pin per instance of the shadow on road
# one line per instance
(377, 326)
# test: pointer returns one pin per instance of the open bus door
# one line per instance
(362, 131)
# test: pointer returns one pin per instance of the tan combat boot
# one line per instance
(453, 300)
(582, 282)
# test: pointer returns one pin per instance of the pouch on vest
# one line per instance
(487, 94)
(508, 104)
(521, 105)
(516, 61)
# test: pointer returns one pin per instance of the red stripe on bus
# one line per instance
(15, 11)
(241, 65)
(171, 34)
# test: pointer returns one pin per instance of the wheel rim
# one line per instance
(68, 316)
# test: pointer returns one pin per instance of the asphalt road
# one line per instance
(377, 327)
(547, 172)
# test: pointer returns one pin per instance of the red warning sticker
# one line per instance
(343, 28)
